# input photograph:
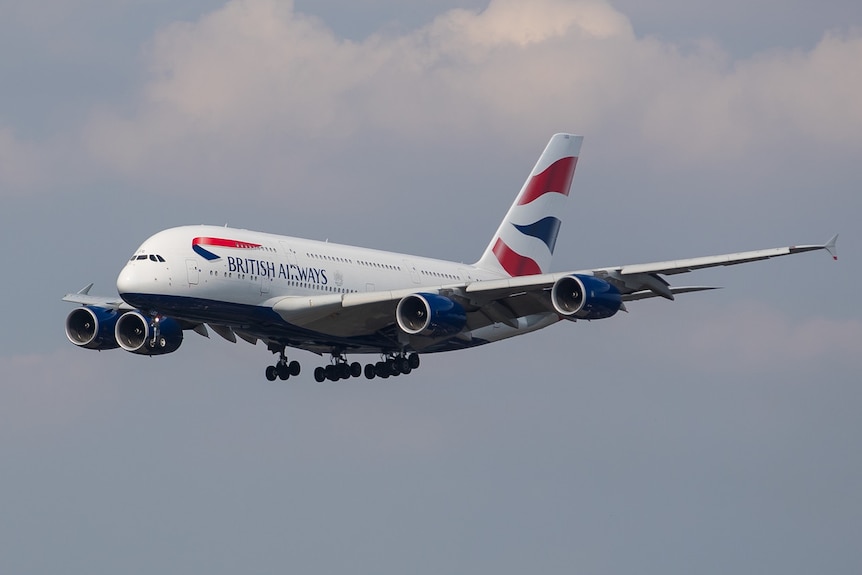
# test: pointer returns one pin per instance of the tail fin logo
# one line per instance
(525, 241)
(557, 178)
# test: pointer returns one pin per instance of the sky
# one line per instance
(718, 433)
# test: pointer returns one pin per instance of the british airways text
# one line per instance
(271, 270)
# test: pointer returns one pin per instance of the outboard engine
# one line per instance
(585, 297)
(430, 315)
(92, 327)
(144, 335)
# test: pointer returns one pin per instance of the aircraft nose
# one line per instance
(129, 280)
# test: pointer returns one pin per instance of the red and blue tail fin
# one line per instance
(524, 242)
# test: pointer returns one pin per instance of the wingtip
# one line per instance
(830, 247)
(86, 289)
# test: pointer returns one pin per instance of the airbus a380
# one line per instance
(337, 300)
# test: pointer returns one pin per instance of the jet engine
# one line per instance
(585, 297)
(92, 327)
(144, 335)
(430, 315)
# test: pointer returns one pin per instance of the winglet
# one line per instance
(830, 247)
(86, 289)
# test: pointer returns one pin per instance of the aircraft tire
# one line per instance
(319, 374)
(271, 373)
(413, 358)
(282, 370)
(343, 371)
(294, 368)
(402, 365)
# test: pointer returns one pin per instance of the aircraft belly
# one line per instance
(499, 331)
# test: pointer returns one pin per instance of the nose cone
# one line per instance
(127, 281)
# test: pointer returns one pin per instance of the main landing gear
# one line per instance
(282, 369)
(338, 369)
(390, 365)
(393, 365)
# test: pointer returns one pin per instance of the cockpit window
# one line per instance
(151, 257)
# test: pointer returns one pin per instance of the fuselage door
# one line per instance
(193, 272)
(414, 273)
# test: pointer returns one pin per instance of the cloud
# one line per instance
(20, 162)
(257, 88)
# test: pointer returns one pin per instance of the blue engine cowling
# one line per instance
(585, 297)
(92, 327)
(430, 315)
(144, 335)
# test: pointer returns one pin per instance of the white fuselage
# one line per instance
(232, 276)
(277, 266)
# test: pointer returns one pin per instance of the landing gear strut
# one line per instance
(283, 369)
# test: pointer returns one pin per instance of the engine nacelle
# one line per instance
(430, 315)
(585, 297)
(134, 332)
(92, 327)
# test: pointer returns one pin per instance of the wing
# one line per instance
(639, 280)
(506, 300)
(83, 297)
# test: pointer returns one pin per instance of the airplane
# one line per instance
(336, 300)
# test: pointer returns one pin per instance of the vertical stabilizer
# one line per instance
(524, 242)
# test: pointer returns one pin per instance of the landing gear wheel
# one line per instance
(369, 371)
(401, 365)
(282, 371)
(355, 369)
(271, 373)
(319, 374)
(393, 368)
(413, 358)
(343, 371)
(331, 373)
(293, 367)
(381, 369)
